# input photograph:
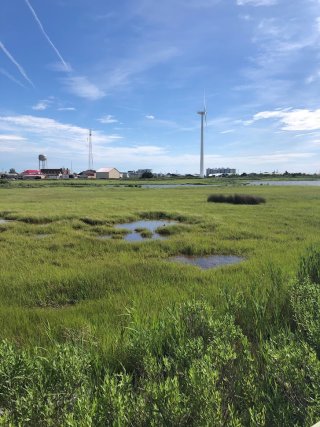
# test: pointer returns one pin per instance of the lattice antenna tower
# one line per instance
(90, 159)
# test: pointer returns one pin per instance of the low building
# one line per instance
(89, 173)
(220, 171)
(108, 173)
(32, 174)
(9, 175)
(55, 173)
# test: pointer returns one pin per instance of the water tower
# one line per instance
(42, 161)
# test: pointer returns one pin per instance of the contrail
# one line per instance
(22, 72)
(10, 77)
(46, 35)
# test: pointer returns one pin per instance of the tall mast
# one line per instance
(202, 114)
(90, 162)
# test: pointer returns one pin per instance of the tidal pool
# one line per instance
(206, 262)
(4, 221)
(150, 225)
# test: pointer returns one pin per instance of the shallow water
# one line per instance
(4, 221)
(176, 185)
(286, 183)
(207, 262)
(150, 225)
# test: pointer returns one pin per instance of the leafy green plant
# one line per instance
(309, 266)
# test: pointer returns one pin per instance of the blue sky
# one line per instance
(135, 71)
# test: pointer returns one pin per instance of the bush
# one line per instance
(305, 302)
(236, 199)
(147, 175)
(291, 382)
(309, 267)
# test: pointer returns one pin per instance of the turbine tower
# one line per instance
(203, 115)
(90, 162)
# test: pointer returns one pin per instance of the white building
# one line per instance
(108, 173)
(220, 171)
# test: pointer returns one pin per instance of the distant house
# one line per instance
(108, 173)
(90, 173)
(32, 174)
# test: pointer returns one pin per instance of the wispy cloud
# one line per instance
(82, 87)
(52, 131)
(10, 77)
(256, 2)
(42, 105)
(66, 66)
(108, 119)
(66, 109)
(293, 120)
(227, 131)
(21, 70)
(150, 117)
(9, 138)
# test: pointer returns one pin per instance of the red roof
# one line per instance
(31, 172)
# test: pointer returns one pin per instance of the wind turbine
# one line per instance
(203, 115)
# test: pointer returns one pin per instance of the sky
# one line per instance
(137, 71)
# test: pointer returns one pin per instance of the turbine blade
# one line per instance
(205, 107)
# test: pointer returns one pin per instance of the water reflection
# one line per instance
(206, 262)
(138, 227)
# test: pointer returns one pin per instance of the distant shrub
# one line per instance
(146, 175)
(236, 199)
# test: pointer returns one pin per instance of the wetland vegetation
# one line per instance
(109, 332)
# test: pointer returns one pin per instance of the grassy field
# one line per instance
(70, 280)
(68, 285)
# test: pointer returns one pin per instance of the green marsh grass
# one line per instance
(70, 285)
(70, 271)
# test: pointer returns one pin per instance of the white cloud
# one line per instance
(256, 2)
(66, 109)
(293, 120)
(150, 117)
(108, 119)
(8, 138)
(228, 131)
(42, 105)
(49, 132)
(82, 87)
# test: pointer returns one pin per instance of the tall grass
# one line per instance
(191, 367)
(233, 359)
